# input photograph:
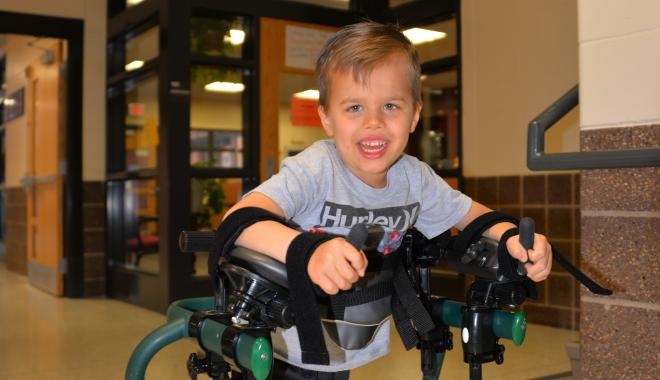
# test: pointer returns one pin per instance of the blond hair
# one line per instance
(360, 48)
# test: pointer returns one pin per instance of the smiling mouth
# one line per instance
(373, 146)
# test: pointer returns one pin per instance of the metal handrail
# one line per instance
(537, 159)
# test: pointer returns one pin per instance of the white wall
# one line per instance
(93, 12)
(619, 62)
(519, 56)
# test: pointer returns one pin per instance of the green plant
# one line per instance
(207, 35)
(211, 196)
(212, 202)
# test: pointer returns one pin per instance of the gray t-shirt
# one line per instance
(316, 190)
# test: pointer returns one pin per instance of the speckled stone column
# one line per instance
(621, 248)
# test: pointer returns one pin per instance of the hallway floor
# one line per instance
(43, 337)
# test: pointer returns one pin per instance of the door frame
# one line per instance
(71, 30)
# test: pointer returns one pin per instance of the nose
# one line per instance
(374, 119)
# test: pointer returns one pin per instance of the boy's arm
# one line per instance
(540, 254)
(335, 264)
(268, 237)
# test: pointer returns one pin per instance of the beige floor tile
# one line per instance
(43, 337)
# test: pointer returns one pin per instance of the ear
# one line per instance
(417, 111)
(325, 121)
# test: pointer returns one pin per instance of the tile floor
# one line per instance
(43, 337)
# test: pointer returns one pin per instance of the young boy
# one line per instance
(369, 84)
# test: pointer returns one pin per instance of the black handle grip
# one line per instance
(526, 229)
(196, 241)
(357, 236)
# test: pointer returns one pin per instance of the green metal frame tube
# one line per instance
(510, 325)
(506, 324)
(151, 344)
(252, 353)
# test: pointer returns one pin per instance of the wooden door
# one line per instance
(43, 181)
(275, 60)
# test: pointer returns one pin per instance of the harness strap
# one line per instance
(343, 300)
(303, 297)
(403, 324)
(229, 230)
(409, 313)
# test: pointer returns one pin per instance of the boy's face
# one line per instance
(371, 121)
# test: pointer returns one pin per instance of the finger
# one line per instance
(540, 270)
(540, 247)
(346, 271)
(357, 259)
(339, 281)
(537, 274)
(327, 285)
(541, 251)
(516, 250)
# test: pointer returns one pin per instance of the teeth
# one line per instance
(373, 146)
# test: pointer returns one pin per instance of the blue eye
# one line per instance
(390, 106)
(354, 108)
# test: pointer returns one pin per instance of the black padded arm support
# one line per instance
(472, 232)
(303, 298)
(230, 229)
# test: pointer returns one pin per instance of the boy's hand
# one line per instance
(540, 256)
(335, 265)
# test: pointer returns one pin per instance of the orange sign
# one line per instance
(304, 113)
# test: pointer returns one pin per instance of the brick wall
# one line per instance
(15, 240)
(621, 241)
(94, 238)
(553, 201)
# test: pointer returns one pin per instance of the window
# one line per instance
(135, 240)
(141, 124)
(436, 138)
(216, 117)
(141, 48)
(442, 42)
(224, 37)
(210, 198)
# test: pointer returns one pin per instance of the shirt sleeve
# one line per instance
(442, 207)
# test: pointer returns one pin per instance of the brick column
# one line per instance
(620, 109)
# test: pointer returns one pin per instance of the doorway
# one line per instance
(43, 181)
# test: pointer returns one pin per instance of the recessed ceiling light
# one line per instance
(307, 94)
(224, 87)
(235, 37)
(134, 65)
(133, 2)
(419, 36)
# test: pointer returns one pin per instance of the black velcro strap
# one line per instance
(473, 231)
(405, 300)
(353, 297)
(230, 229)
(579, 275)
(403, 324)
(503, 256)
(303, 298)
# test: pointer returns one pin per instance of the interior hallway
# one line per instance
(43, 337)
